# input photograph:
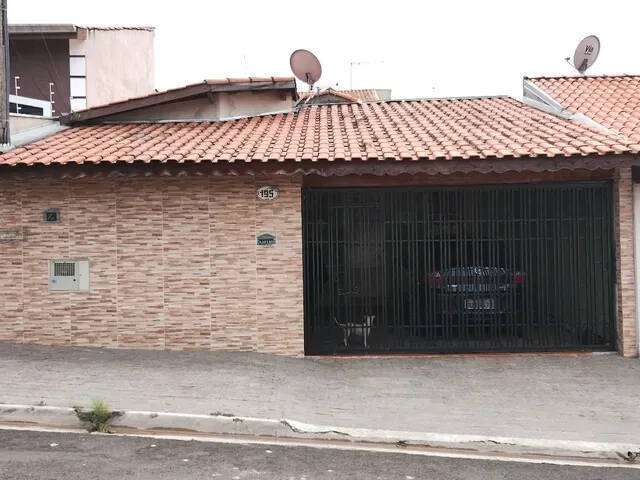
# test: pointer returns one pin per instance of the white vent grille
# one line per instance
(64, 269)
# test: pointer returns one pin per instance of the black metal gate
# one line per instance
(460, 269)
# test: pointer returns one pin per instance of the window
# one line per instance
(78, 82)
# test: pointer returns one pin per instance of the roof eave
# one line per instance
(48, 30)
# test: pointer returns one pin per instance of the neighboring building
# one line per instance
(330, 95)
(450, 225)
(220, 99)
(56, 69)
(608, 103)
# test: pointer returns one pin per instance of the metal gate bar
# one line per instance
(459, 269)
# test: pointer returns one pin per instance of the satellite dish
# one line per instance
(586, 53)
(305, 66)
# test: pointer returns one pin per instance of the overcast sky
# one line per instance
(418, 49)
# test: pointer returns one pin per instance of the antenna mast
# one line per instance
(356, 64)
(5, 137)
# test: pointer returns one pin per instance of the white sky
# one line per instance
(418, 49)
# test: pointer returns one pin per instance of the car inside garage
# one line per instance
(507, 268)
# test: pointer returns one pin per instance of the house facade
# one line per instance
(455, 225)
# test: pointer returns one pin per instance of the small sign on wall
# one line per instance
(268, 192)
(11, 235)
(266, 240)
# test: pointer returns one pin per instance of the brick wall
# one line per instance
(173, 260)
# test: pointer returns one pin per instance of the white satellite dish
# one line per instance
(305, 66)
(586, 53)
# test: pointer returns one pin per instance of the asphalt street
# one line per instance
(71, 456)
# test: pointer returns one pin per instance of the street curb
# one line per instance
(62, 417)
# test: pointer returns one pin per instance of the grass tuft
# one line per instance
(98, 418)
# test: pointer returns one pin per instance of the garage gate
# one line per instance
(460, 269)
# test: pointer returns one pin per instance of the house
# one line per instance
(447, 225)
(608, 103)
(59, 68)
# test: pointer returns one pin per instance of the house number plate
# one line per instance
(268, 192)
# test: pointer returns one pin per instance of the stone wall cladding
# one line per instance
(232, 213)
(11, 301)
(279, 305)
(625, 266)
(173, 263)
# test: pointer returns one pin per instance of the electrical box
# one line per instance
(69, 276)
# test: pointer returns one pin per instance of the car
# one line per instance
(476, 290)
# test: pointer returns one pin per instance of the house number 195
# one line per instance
(268, 192)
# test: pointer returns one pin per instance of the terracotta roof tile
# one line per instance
(395, 130)
(612, 101)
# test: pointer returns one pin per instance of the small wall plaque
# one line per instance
(268, 192)
(266, 240)
(11, 235)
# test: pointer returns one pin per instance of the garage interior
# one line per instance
(507, 268)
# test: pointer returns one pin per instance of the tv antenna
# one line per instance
(306, 67)
(357, 64)
(586, 54)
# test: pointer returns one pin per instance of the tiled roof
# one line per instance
(233, 81)
(472, 128)
(612, 101)
(363, 95)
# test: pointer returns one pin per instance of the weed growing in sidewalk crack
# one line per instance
(98, 418)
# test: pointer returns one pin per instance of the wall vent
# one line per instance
(51, 215)
(64, 269)
(69, 276)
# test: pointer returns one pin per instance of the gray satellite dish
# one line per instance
(305, 66)
(586, 53)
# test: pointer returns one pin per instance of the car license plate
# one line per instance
(479, 304)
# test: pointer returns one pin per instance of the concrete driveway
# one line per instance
(561, 397)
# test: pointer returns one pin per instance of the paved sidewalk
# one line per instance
(588, 398)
